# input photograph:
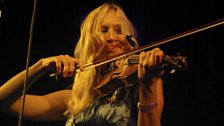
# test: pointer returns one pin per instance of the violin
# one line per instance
(119, 75)
(114, 79)
(108, 84)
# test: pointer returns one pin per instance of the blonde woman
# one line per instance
(102, 35)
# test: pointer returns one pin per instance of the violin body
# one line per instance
(123, 73)
(119, 77)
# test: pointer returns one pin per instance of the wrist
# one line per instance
(146, 107)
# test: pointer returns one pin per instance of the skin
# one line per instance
(52, 106)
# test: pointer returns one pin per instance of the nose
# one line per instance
(111, 36)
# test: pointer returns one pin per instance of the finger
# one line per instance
(65, 63)
(156, 49)
(153, 57)
(71, 65)
(159, 57)
(142, 59)
(58, 64)
(148, 59)
(79, 63)
(141, 69)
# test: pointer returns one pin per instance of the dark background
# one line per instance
(192, 98)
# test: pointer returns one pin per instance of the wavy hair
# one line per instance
(87, 49)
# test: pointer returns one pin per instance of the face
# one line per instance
(112, 33)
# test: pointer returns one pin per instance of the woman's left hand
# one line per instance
(150, 65)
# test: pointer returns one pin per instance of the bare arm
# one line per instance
(151, 101)
(37, 107)
(12, 89)
(42, 108)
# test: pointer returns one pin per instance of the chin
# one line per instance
(116, 52)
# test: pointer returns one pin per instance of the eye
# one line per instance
(104, 29)
(118, 30)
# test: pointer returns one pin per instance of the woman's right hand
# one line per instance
(62, 65)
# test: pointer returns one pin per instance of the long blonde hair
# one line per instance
(87, 48)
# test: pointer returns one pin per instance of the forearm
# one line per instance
(13, 88)
(148, 114)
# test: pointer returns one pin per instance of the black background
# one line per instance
(192, 98)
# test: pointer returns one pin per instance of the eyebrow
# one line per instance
(116, 25)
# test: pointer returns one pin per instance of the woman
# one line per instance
(102, 35)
